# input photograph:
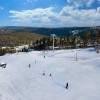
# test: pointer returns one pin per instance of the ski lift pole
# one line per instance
(76, 49)
(53, 42)
(53, 35)
(75, 33)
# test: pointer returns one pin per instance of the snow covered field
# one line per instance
(19, 82)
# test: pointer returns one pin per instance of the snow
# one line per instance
(19, 82)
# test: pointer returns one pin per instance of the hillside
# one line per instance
(9, 38)
(47, 31)
(19, 82)
(14, 36)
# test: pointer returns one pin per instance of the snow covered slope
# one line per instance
(18, 81)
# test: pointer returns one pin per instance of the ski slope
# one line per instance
(19, 82)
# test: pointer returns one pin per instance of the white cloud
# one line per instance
(83, 17)
(79, 3)
(68, 16)
(98, 9)
(38, 15)
(1, 8)
(90, 2)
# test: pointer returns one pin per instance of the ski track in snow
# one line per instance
(15, 89)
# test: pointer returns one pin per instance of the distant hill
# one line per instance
(10, 38)
(65, 31)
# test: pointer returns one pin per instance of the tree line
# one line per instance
(41, 42)
(87, 39)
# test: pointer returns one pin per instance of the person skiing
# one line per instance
(29, 65)
(66, 85)
(43, 73)
(50, 74)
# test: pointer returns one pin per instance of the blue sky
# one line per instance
(50, 13)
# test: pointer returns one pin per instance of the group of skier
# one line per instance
(50, 75)
(44, 74)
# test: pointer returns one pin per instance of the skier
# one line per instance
(43, 73)
(44, 56)
(66, 85)
(29, 65)
(50, 74)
